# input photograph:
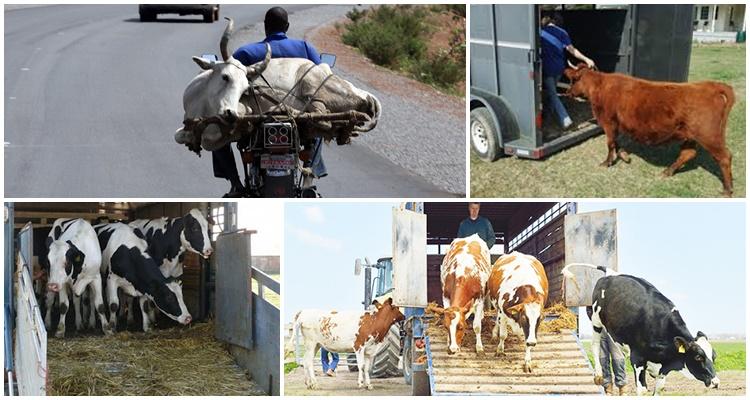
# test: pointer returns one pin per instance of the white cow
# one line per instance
(218, 92)
(360, 332)
(74, 260)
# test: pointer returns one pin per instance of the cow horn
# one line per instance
(572, 66)
(225, 39)
(259, 67)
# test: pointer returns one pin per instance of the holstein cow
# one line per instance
(352, 331)
(463, 275)
(169, 238)
(297, 82)
(636, 314)
(74, 260)
(518, 289)
(658, 112)
(130, 267)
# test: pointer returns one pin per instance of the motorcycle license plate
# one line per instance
(274, 161)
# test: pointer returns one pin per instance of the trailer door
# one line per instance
(409, 240)
(663, 40)
(590, 238)
(503, 58)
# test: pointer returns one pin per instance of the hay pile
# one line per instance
(168, 362)
(565, 319)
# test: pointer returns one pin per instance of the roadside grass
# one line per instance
(730, 356)
(575, 172)
(399, 37)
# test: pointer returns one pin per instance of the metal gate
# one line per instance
(233, 291)
(590, 238)
(30, 337)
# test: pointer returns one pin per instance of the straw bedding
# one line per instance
(176, 361)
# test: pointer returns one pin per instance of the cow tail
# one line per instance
(295, 329)
(727, 93)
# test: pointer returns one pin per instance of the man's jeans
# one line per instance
(609, 348)
(324, 360)
(318, 166)
(553, 100)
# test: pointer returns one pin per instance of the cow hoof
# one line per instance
(667, 173)
(480, 350)
(606, 164)
(60, 334)
(369, 387)
(727, 193)
(599, 380)
(527, 368)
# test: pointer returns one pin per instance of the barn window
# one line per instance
(217, 214)
(704, 12)
(536, 225)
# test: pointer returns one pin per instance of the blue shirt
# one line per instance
(481, 226)
(554, 42)
(281, 47)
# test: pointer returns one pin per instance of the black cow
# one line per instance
(136, 273)
(636, 314)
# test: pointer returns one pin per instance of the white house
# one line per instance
(718, 17)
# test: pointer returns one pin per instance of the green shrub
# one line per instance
(441, 69)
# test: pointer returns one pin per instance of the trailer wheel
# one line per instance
(483, 135)
(385, 364)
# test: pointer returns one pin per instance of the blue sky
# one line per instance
(690, 251)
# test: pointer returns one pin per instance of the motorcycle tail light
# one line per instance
(278, 134)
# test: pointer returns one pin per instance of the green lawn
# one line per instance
(271, 296)
(729, 356)
(575, 172)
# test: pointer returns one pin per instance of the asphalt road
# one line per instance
(93, 97)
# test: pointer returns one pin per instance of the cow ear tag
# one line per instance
(681, 349)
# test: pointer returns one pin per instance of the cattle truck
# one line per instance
(555, 234)
(645, 40)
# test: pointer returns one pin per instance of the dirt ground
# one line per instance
(343, 384)
(732, 384)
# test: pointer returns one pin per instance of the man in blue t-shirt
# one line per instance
(555, 42)
(276, 24)
(476, 224)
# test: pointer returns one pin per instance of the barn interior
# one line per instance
(531, 228)
(197, 359)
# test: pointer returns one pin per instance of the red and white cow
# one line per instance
(360, 332)
(518, 289)
(464, 274)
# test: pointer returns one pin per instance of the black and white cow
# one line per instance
(636, 314)
(169, 238)
(131, 269)
(73, 260)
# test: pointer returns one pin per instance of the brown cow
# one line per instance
(658, 112)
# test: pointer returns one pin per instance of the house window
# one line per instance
(217, 214)
(704, 12)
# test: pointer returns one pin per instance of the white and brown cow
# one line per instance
(463, 275)
(518, 289)
(360, 332)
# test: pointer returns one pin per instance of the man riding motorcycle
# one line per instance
(276, 24)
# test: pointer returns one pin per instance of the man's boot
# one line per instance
(609, 389)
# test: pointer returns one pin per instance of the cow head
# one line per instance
(699, 358)
(579, 87)
(386, 314)
(194, 235)
(217, 91)
(66, 262)
(528, 315)
(454, 320)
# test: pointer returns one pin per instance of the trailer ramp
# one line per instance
(558, 361)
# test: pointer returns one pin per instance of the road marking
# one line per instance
(24, 69)
(6, 144)
(11, 98)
